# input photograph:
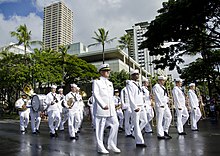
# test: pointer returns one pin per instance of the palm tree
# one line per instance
(125, 43)
(63, 50)
(101, 38)
(24, 38)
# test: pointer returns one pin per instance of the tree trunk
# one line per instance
(103, 53)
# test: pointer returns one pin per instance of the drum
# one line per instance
(38, 103)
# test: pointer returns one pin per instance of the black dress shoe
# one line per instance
(38, 132)
(167, 135)
(195, 129)
(161, 137)
(141, 145)
(34, 132)
(52, 135)
(23, 132)
(149, 132)
(182, 133)
(73, 138)
(26, 130)
(130, 136)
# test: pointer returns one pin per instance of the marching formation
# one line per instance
(131, 110)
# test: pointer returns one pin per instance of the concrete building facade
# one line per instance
(57, 26)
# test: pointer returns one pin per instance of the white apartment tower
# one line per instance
(57, 26)
(141, 56)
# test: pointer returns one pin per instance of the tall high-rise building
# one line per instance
(57, 26)
(141, 56)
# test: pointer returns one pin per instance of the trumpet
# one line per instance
(28, 90)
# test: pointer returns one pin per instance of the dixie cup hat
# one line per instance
(53, 87)
(161, 77)
(134, 72)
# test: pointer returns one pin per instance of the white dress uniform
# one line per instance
(103, 94)
(181, 110)
(81, 110)
(127, 111)
(90, 103)
(24, 114)
(136, 100)
(164, 116)
(63, 111)
(119, 112)
(195, 114)
(73, 119)
(149, 108)
(53, 112)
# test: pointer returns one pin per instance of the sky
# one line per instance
(89, 15)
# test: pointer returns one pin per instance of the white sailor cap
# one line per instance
(77, 88)
(162, 77)
(53, 87)
(192, 84)
(179, 80)
(73, 85)
(134, 72)
(116, 90)
(145, 80)
(61, 89)
(104, 67)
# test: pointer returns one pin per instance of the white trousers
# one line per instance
(64, 117)
(120, 117)
(35, 120)
(54, 120)
(164, 118)
(182, 117)
(139, 121)
(92, 116)
(77, 120)
(72, 117)
(150, 116)
(24, 119)
(101, 123)
(128, 121)
(195, 116)
(81, 116)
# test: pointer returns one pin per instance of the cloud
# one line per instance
(33, 22)
(7, 1)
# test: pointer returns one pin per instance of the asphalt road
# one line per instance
(12, 142)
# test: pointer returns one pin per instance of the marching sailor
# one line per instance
(136, 100)
(118, 107)
(163, 113)
(73, 110)
(104, 111)
(90, 103)
(63, 109)
(53, 111)
(195, 114)
(24, 111)
(127, 112)
(180, 104)
(81, 108)
(147, 105)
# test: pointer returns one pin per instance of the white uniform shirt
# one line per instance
(125, 99)
(61, 99)
(75, 106)
(147, 100)
(103, 93)
(178, 97)
(117, 101)
(20, 102)
(193, 99)
(50, 97)
(161, 98)
(135, 95)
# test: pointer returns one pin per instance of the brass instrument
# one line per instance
(70, 102)
(118, 107)
(28, 90)
(83, 93)
(201, 104)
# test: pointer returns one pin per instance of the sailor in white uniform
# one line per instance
(73, 110)
(63, 110)
(163, 114)
(104, 111)
(53, 111)
(136, 100)
(180, 105)
(127, 112)
(147, 105)
(90, 103)
(24, 111)
(118, 107)
(195, 114)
